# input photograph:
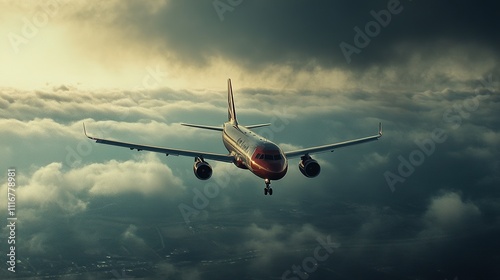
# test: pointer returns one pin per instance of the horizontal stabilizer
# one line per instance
(257, 125)
(218, 128)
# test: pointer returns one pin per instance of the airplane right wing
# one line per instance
(331, 147)
(166, 151)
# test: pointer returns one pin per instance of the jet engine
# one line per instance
(202, 170)
(309, 167)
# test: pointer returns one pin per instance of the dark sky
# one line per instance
(420, 203)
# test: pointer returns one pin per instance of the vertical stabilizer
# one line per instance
(231, 113)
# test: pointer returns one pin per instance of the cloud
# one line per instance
(286, 44)
(449, 213)
(373, 159)
(276, 241)
(167, 270)
(318, 41)
(267, 242)
(57, 206)
(46, 190)
(50, 189)
(77, 104)
(148, 176)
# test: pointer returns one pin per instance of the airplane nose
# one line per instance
(272, 166)
(276, 170)
(269, 165)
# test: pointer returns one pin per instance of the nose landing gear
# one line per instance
(268, 189)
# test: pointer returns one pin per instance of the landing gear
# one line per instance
(267, 189)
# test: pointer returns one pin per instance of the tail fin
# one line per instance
(231, 113)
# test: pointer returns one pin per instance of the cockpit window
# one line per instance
(268, 156)
(272, 155)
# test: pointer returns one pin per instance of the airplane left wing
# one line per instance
(331, 147)
(166, 151)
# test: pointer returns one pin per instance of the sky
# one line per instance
(423, 202)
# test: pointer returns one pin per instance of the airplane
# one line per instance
(247, 150)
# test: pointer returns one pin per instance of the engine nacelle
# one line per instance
(202, 170)
(309, 167)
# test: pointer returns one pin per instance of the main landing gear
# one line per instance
(267, 189)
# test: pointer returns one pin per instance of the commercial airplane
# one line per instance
(247, 150)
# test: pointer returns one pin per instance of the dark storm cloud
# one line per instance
(261, 33)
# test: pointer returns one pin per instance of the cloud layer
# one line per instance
(104, 191)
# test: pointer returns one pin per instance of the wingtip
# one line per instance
(84, 130)
(380, 128)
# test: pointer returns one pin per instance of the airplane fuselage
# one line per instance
(254, 152)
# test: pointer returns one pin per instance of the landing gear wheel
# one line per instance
(267, 189)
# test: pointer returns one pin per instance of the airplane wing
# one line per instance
(166, 151)
(331, 147)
